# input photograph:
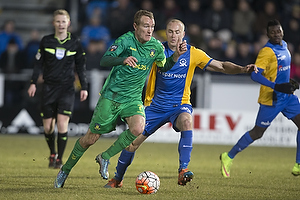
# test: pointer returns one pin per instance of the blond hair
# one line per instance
(176, 21)
(138, 15)
(61, 12)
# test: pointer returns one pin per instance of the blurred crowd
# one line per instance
(233, 30)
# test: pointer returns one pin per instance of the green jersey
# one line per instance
(124, 82)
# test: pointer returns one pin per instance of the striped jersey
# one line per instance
(275, 61)
(172, 88)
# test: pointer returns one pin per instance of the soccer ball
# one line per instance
(147, 182)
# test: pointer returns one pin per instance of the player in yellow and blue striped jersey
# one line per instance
(276, 95)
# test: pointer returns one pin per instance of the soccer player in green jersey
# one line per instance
(131, 56)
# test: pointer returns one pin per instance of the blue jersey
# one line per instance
(172, 88)
(275, 61)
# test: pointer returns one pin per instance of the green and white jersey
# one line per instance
(126, 83)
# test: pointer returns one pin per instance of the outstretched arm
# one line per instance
(230, 68)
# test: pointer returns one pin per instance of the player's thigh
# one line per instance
(292, 107)
(104, 119)
(182, 118)
(155, 118)
(292, 110)
(266, 114)
(133, 114)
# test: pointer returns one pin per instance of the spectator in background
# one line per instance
(243, 20)
(11, 60)
(295, 66)
(31, 49)
(94, 53)
(292, 27)
(9, 33)
(95, 30)
(159, 18)
(170, 10)
(194, 19)
(217, 22)
(230, 53)
(118, 16)
(244, 54)
(259, 43)
(269, 12)
(103, 5)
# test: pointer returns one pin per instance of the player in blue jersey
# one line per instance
(168, 100)
(276, 95)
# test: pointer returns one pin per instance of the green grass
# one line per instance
(257, 173)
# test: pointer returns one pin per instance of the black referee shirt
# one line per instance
(56, 60)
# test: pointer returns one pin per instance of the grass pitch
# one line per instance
(257, 172)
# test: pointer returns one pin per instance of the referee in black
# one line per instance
(56, 59)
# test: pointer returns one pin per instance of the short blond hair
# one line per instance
(61, 12)
(138, 15)
(176, 21)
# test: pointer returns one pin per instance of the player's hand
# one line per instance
(83, 95)
(131, 61)
(31, 90)
(294, 83)
(181, 48)
(287, 88)
(250, 68)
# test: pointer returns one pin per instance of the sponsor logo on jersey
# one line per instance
(133, 49)
(182, 62)
(152, 52)
(283, 68)
(97, 127)
(281, 57)
(113, 48)
(165, 74)
(60, 53)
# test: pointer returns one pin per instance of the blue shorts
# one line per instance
(158, 115)
(290, 107)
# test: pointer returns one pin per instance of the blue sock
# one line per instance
(243, 142)
(124, 161)
(298, 147)
(185, 147)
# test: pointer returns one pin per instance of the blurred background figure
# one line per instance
(118, 17)
(268, 12)
(170, 9)
(194, 19)
(218, 21)
(242, 22)
(94, 53)
(244, 54)
(95, 30)
(31, 49)
(11, 60)
(8, 33)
